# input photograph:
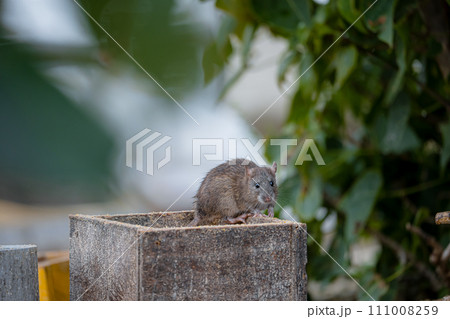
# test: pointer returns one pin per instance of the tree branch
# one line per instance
(405, 256)
(436, 257)
(423, 86)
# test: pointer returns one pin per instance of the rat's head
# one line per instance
(262, 185)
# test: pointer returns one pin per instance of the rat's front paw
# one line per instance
(256, 213)
(270, 212)
(239, 219)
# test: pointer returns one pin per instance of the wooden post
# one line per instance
(156, 257)
(19, 273)
(443, 218)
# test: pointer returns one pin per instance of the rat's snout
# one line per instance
(267, 199)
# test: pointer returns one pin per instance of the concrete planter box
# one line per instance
(118, 257)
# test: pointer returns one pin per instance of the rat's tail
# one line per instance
(198, 216)
(195, 221)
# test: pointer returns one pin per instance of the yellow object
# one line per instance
(54, 283)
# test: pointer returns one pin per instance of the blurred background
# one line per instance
(79, 78)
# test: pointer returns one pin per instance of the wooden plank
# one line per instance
(103, 259)
(246, 262)
(19, 273)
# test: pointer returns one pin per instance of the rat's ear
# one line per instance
(274, 167)
(248, 171)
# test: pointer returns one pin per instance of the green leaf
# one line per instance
(373, 283)
(345, 62)
(445, 153)
(399, 137)
(288, 59)
(378, 130)
(308, 81)
(289, 189)
(349, 12)
(302, 9)
(212, 63)
(387, 30)
(325, 269)
(240, 10)
(282, 16)
(435, 17)
(302, 107)
(401, 45)
(214, 59)
(359, 200)
(217, 53)
(380, 19)
(247, 40)
(309, 200)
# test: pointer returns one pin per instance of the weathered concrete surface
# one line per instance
(19, 273)
(263, 260)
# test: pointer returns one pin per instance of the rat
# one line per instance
(234, 191)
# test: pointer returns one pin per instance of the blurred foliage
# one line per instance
(162, 39)
(52, 149)
(377, 105)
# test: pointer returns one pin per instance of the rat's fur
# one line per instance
(229, 193)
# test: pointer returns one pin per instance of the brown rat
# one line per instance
(234, 191)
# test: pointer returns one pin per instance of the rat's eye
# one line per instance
(257, 185)
(271, 183)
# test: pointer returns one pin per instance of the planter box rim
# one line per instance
(16, 247)
(105, 218)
